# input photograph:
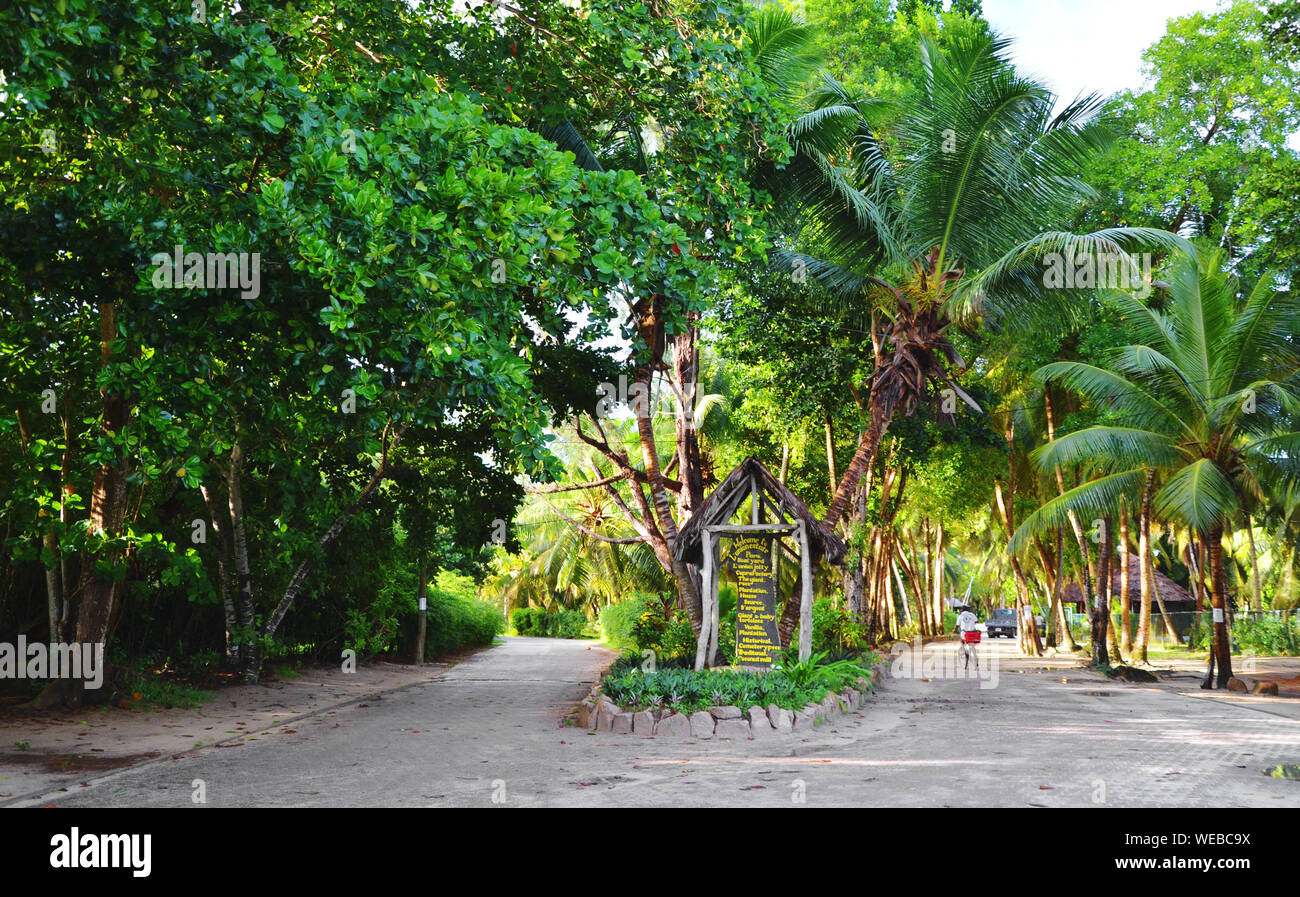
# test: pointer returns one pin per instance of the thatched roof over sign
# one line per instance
(726, 499)
(1170, 591)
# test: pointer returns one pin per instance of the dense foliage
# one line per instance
(305, 303)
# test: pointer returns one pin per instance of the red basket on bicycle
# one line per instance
(971, 637)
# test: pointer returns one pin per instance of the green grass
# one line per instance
(166, 692)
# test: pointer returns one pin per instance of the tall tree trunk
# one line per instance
(1058, 589)
(244, 604)
(1125, 619)
(1194, 579)
(881, 409)
(1032, 641)
(830, 451)
(937, 581)
(855, 563)
(1170, 633)
(1049, 581)
(107, 507)
(1102, 649)
(687, 591)
(685, 384)
(914, 583)
(1144, 571)
(1222, 649)
(923, 564)
(1085, 572)
(1256, 598)
(67, 577)
(422, 612)
(902, 592)
(1113, 621)
(53, 588)
(1027, 628)
(888, 621)
(852, 583)
(223, 574)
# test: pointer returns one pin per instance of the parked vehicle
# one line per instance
(1002, 622)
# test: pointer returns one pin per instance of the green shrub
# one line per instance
(1266, 635)
(678, 640)
(523, 620)
(618, 621)
(791, 686)
(456, 618)
(375, 629)
(835, 630)
(638, 624)
(455, 621)
(536, 622)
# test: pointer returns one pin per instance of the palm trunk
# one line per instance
(914, 584)
(1144, 571)
(830, 451)
(1222, 649)
(422, 612)
(1027, 629)
(685, 383)
(881, 409)
(936, 581)
(852, 583)
(902, 592)
(1125, 621)
(1058, 589)
(855, 566)
(1170, 633)
(1033, 642)
(1256, 599)
(1101, 602)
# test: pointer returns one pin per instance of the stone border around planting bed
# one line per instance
(599, 714)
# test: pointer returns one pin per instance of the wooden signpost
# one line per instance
(778, 523)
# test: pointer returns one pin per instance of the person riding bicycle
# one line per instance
(966, 623)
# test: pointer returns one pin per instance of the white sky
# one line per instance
(1080, 46)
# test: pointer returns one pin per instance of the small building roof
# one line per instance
(1170, 591)
(723, 502)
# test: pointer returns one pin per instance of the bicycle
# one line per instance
(968, 651)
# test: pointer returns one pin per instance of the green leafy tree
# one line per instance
(1203, 148)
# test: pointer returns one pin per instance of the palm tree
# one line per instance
(580, 553)
(1205, 404)
(942, 218)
